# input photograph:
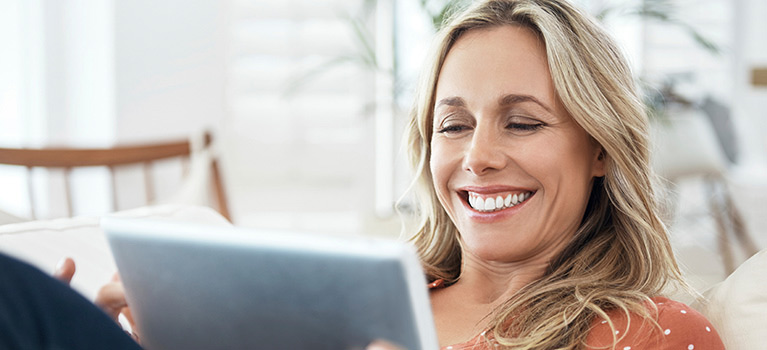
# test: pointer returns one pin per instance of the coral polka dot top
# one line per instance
(682, 328)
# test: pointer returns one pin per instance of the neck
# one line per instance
(492, 283)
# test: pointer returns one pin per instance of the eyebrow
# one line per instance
(514, 99)
(454, 101)
(506, 100)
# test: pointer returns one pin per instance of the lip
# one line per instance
(493, 189)
(463, 193)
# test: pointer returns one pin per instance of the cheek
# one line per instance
(560, 164)
(567, 173)
(442, 166)
(437, 166)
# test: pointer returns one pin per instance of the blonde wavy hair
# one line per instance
(620, 256)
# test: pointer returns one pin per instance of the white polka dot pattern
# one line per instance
(682, 328)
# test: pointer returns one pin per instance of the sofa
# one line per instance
(44, 243)
(737, 306)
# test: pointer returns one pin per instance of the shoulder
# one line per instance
(678, 327)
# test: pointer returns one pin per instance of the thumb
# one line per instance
(65, 270)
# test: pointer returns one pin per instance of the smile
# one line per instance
(496, 202)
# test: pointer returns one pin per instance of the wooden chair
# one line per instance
(145, 155)
(687, 147)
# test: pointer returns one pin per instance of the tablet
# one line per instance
(211, 287)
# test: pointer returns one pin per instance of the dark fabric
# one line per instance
(39, 312)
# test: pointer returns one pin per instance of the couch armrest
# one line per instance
(44, 243)
(737, 306)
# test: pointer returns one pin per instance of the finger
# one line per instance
(111, 299)
(135, 332)
(129, 326)
(65, 270)
(125, 311)
(128, 316)
(383, 345)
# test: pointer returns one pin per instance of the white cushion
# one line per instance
(45, 243)
(738, 305)
(8, 218)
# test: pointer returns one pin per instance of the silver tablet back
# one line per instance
(200, 287)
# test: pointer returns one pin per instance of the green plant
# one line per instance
(659, 95)
(656, 95)
(441, 10)
(365, 56)
(660, 11)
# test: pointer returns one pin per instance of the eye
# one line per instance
(523, 125)
(452, 129)
(454, 124)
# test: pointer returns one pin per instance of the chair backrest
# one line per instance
(145, 155)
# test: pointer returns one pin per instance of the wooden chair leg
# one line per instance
(218, 186)
(31, 192)
(148, 183)
(68, 191)
(717, 211)
(113, 183)
(739, 230)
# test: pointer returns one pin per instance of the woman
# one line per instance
(540, 226)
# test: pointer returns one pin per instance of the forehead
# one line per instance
(485, 64)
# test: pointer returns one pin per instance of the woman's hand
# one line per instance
(111, 299)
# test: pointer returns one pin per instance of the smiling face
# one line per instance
(510, 167)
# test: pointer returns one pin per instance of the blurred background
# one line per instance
(307, 100)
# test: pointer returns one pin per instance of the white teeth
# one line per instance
(489, 204)
(497, 203)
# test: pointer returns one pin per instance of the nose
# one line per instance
(484, 153)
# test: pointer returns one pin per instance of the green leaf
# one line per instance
(297, 83)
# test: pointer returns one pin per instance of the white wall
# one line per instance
(169, 80)
(93, 73)
(61, 58)
(14, 89)
(749, 102)
(170, 59)
(301, 158)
